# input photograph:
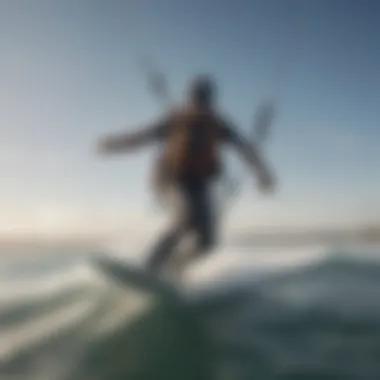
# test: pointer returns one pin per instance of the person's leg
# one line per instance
(203, 223)
(164, 249)
(177, 200)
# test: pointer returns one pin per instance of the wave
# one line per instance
(318, 321)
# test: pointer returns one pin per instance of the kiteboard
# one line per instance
(133, 276)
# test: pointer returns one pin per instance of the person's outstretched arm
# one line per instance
(251, 154)
(125, 142)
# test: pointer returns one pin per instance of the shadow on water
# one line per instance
(164, 343)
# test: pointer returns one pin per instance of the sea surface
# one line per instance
(303, 313)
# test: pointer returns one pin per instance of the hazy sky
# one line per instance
(69, 72)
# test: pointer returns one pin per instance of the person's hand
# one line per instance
(266, 183)
(105, 145)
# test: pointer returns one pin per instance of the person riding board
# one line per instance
(189, 164)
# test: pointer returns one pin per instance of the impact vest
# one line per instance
(191, 150)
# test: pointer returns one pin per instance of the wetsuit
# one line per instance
(193, 206)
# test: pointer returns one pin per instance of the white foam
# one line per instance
(46, 286)
(122, 314)
(232, 260)
(40, 328)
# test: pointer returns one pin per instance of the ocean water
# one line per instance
(310, 313)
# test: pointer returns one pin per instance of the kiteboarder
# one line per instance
(188, 165)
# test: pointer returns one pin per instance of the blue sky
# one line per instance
(69, 72)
